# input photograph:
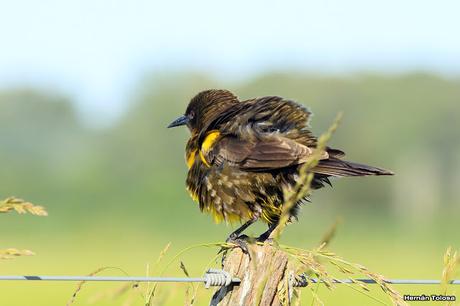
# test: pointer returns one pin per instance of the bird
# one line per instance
(241, 155)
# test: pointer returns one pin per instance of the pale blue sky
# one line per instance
(97, 50)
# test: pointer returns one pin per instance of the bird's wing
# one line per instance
(335, 152)
(277, 113)
(262, 134)
(260, 154)
(266, 115)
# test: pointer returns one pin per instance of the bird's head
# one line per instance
(205, 107)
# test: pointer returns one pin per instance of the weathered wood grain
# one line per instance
(263, 275)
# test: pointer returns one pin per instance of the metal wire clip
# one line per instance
(215, 277)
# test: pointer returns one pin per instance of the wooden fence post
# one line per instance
(265, 277)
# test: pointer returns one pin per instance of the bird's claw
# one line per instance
(265, 239)
(235, 241)
(240, 241)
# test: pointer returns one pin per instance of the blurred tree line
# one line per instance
(407, 123)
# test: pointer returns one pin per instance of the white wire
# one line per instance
(206, 279)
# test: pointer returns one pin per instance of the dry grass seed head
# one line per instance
(21, 207)
(451, 262)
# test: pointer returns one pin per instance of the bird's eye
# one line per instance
(191, 115)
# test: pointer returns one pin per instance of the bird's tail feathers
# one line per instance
(339, 168)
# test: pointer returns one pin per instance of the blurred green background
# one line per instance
(116, 195)
(87, 89)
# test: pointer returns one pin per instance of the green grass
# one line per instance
(382, 247)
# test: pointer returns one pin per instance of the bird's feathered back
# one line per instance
(265, 115)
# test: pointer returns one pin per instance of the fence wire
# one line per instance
(213, 277)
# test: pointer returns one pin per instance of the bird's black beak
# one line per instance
(182, 120)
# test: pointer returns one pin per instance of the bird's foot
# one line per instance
(240, 241)
(265, 239)
(234, 241)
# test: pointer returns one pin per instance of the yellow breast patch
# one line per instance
(207, 144)
(190, 159)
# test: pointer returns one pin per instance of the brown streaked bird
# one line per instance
(242, 154)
